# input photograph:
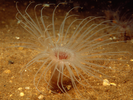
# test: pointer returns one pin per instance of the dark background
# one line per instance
(93, 5)
(88, 4)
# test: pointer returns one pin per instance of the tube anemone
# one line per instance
(122, 21)
(72, 54)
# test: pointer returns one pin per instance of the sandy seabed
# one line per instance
(15, 87)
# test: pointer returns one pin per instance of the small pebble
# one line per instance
(10, 62)
(111, 38)
(20, 88)
(40, 96)
(7, 71)
(10, 81)
(106, 82)
(27, 88)
(17, 38)
(113, 84)
(131, 59)
(114, 37)
(21, 94)
(19, 22)
(10, 95)
(68, 87)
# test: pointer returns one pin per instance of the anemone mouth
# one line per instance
(62, 54)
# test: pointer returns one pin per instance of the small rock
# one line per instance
(7, 71)
(10, 62)
(131, 59)
(21, 94)
(106, 82)
(17, 37)
(10, 81)
(11, 95)
(20, 88)
(68, 87)
(113, 84)
(27, 88)
(41, 96)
